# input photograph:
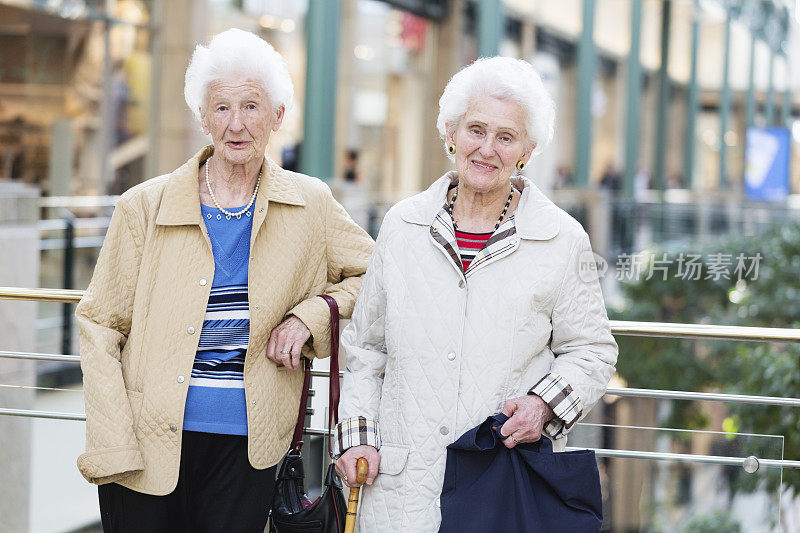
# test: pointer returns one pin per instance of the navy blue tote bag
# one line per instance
(488, 487)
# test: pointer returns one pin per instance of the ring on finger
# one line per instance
(286, 351)
(514, 439)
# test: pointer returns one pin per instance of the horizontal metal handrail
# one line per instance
(611, 391)
(40, 357)
(55, 415)
(657, 456)
(40, 295)
(703, 396)
(78, 201)
(600, 452)
(77, 242)
(618, 327)
(703, 331)
(59, 224)
(669, 394)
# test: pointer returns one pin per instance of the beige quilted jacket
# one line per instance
(141, 316)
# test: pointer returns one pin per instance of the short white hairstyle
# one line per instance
(504, 78)
(236, 54)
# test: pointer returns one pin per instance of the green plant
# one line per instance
(770, 299)
(717, 522)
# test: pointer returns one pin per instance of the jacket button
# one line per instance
(461, 283)
(190, 330)
(203, 282)
(451, 356)
(255, 307)
(181, 379)
(173, 427)
(444, 430)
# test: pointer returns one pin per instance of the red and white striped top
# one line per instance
(469, 244)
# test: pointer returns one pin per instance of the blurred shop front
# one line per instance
(74, 95)
(386, 88)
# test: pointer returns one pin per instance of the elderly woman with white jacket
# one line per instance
(474, 302)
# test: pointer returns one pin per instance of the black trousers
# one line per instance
(217, 490)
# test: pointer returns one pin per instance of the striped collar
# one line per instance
(536, 217)
(501, 243)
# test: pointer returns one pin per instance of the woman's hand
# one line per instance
(286, 342)
(346, 464)
(527, 415)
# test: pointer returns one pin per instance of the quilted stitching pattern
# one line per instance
(430, 359)
(145, 295)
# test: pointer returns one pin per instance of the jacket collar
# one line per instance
(536, 216)
(181, 202)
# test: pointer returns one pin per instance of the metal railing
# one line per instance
(654, 329)
(618, 327)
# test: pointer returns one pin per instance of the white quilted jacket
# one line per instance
(431, 353)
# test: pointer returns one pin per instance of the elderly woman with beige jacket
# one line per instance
(203, 299)
(479, 298)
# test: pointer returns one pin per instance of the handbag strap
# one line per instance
(333, 384)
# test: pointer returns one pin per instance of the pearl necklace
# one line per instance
(229, 214)
(499, 220)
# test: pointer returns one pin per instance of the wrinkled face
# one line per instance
(240, 119)
(489, 141)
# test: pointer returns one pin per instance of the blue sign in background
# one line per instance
(766, 175)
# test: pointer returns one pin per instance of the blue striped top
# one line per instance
(215, 402)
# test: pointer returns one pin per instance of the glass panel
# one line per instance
(676, 491)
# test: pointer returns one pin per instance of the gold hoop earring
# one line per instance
(520, 165)
(451, 149)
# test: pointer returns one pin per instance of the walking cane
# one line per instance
(352, 501)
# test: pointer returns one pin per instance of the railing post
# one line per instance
(769, 112)
(691, 102)
(725, 103)
(583, 117)
(662, 102)
(68, 281)
(633, 96)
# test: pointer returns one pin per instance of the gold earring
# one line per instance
(520, 165)
(451, 149)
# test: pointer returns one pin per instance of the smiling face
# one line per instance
(240, 119)
(489, 141)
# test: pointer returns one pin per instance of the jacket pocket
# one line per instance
(393, 458)
(135, 398)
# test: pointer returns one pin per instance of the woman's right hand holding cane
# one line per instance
(346, 464)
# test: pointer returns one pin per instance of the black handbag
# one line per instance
(292, 511)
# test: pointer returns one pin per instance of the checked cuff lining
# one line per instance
(356, 431)
(566, 405)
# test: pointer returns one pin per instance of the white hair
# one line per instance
(237, 54)
(505, 78)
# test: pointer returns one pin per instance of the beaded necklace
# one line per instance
(452, 204)
(229, 214)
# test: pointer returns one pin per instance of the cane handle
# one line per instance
(362, 467)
